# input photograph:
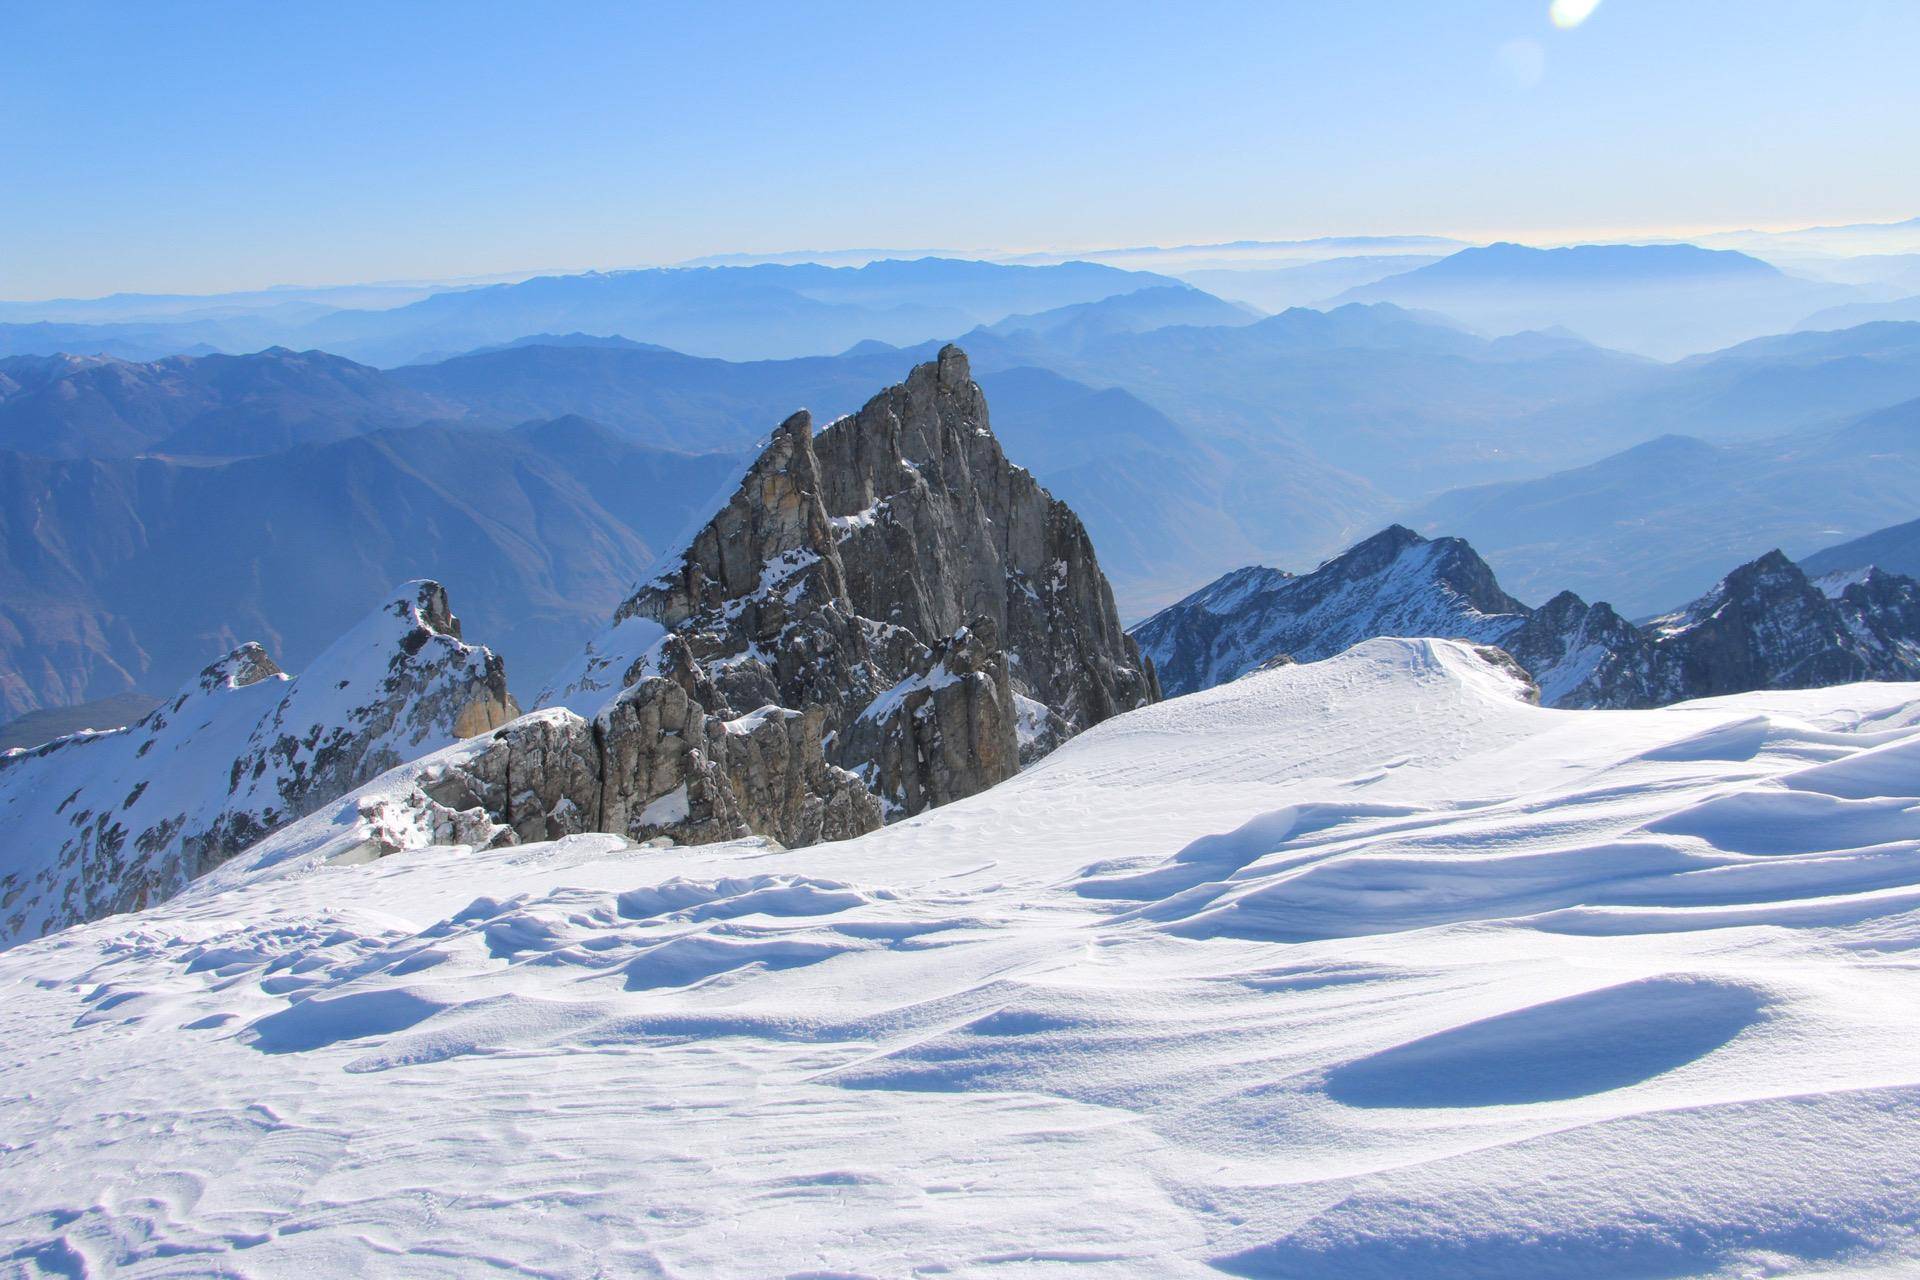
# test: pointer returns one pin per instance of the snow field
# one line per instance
(1360, 968)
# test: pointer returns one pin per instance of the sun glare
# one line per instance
(1568, 14)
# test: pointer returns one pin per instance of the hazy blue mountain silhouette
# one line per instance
(1665, 300)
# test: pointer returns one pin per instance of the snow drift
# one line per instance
(1358, 968)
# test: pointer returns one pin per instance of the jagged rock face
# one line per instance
(888, 612)
(1586, 655)
(946, 731)
(1765, 626)
(653, 765)
(102, 822)
(537, 778)
(944, 616)
(434, 687)
(674, 769)
(1882, 612)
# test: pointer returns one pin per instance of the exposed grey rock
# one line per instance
(654, 764)
(942, 614)
(1500, 660)
(1763, 626)
(886, 612)
(1586, 655)
(947, 730)
(538, 777)
(1882, 611)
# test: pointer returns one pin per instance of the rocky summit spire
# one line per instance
(945, 614)
(883, 617)
(908, 613)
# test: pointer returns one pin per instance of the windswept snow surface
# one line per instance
(1349, 970)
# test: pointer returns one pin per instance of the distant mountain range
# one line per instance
(1303, 284)
(283, 300)
(1251, 254)
(266, 496)
(1850, 239)
(124, 573)
(1849, 314)
(1188, 447)
(1401, 402)
(1895, 549)
(212, 406)
(765, 311)
(1658, 300)
(650, 394)
(1655, 524)
(1136, 312)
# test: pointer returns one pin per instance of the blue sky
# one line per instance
(205, 146)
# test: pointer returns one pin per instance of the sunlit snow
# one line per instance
(1359, 968)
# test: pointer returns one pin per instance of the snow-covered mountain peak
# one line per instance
(1394, 583)
(1765, 625)
(101, 822)
(883, 616)
(1772, 580)
(247, 664)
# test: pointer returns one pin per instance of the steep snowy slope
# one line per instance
(101, 822)
(1356, 969)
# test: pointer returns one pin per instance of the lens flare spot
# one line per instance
(1568, 14)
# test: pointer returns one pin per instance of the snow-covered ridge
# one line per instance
(1394, 583)
(1360, 968)
(1766, 625)
(103, 822)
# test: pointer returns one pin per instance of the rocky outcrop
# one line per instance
(674, 769)
(1765, 626)
(884, 617)
(538, 778)
(947, 730)
(654, 766)
(1882, 612)
(1586, 655)
(936, 613)
(102, 822)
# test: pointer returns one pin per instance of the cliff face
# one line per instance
(943, 617)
